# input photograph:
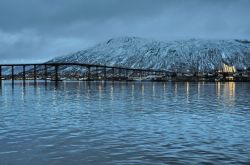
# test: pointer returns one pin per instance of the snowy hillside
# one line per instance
(192, 55)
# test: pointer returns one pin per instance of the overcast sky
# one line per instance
(38, 30)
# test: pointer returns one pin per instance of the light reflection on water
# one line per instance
(125, 123)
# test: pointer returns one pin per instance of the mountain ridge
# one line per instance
(183, 55)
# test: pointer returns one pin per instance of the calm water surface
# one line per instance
(124, 123)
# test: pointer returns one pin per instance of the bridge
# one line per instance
(88, 72)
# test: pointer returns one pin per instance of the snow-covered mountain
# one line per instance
(192, 55)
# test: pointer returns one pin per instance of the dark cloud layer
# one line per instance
(37, 30)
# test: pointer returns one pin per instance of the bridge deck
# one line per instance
(122, 71)
(84, 65)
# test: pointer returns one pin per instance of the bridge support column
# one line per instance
(113, 73)
(126, 73)
(0, 75)
(12, 74)
(120, 72)
(96, 72)
(56, 74)
(35, 74)
(88, 72)
(24, 73)
(104, 73)
(45, 73)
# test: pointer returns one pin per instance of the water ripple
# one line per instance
(125, 123)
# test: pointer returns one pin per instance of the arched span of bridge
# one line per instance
(56, 67)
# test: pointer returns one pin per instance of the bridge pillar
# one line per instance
(119, 72)
(24, 73)
(56, 74)
(96, 72)
(12, 74)
(104, 72)
(35, 74)
(88, 72)
(45, 73)
(0, 75)
(113, 73)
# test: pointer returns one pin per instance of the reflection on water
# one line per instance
(218, 85)
(187, 91)
(176, 89)
(228, 92)
(124, 123)
(231, 92)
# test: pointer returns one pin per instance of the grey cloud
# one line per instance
(16, 15)
(37, 30)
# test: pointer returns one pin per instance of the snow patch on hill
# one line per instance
(191, 55)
